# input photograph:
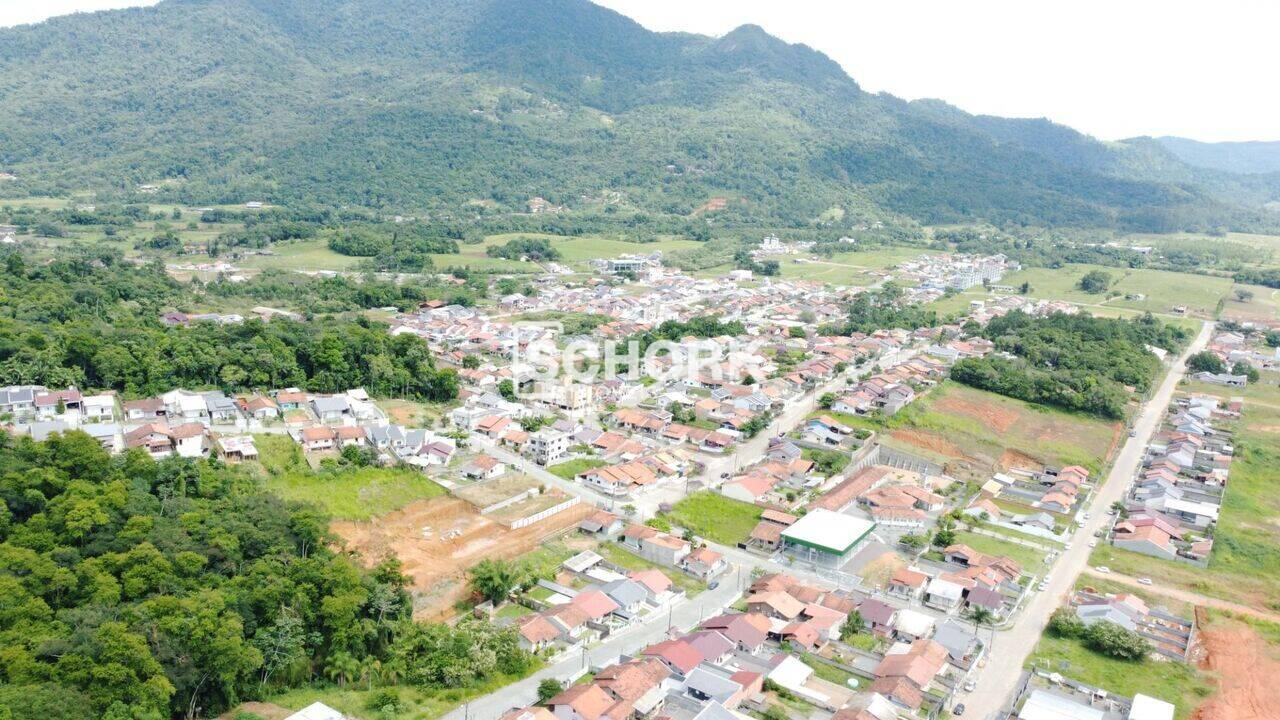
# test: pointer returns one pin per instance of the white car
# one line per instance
(1042, 586)
(1093, 543)
(1144, 581)
(1103, 569)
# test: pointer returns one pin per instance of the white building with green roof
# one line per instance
(824, 537)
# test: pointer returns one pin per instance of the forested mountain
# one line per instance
(441, 105)
(1237, 157)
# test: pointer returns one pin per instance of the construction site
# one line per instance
(438, 539)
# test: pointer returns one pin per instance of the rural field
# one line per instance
(1255, 304)
(974, 433)
(847, 268)
(1161, 290)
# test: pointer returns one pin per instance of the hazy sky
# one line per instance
(1113, 68)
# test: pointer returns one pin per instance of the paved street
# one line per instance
(682, 616)
(997, 682)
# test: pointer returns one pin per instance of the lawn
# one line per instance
(569, 470)
(1030, 558)
(1169, 681)
(715, 517)
(975, 433)
(411, 413)
(346, 494)
(621, 557)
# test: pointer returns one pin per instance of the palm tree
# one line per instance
(341, 667)
(982, 616)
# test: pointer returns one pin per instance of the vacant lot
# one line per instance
(346, 493)
(975, 433)
(1245, 658)
(301, 255)
(1169, 681)
(437, 540)
(621, 557)
(569, 470)
(1258, 304)
(715, 517)
(1029, 557)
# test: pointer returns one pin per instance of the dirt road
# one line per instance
(1186, 596)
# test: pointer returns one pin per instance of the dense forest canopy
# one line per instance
(137, 590)
(463, 109)
(1078, 362)
(92, 320)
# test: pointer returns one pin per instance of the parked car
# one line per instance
(1133, 433)
(1042, 586)
(1093, 543)
(1144, 581)
(970, 686)
(958, 710)
(1103, 569)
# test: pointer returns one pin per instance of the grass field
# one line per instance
(849, 268)
(1262, 307)
(1162, 290)
(975, 433)
(618, 555)
(301, 255)
(1169, 681)
(715, 517)
(348, 494)
(569, 470)
(1030, 558)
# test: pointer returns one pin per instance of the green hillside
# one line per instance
(459, 108)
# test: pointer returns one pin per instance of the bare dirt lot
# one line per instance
(1245, 668)
(437, 540)
(990, 415)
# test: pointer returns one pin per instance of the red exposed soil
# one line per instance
(990, 415)
(437, 540)
(1245, 668)
(930, 442)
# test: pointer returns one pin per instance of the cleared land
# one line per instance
(1263, 306)
(346, 494)
(437, 540)
(974, 433)
(715, 517)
